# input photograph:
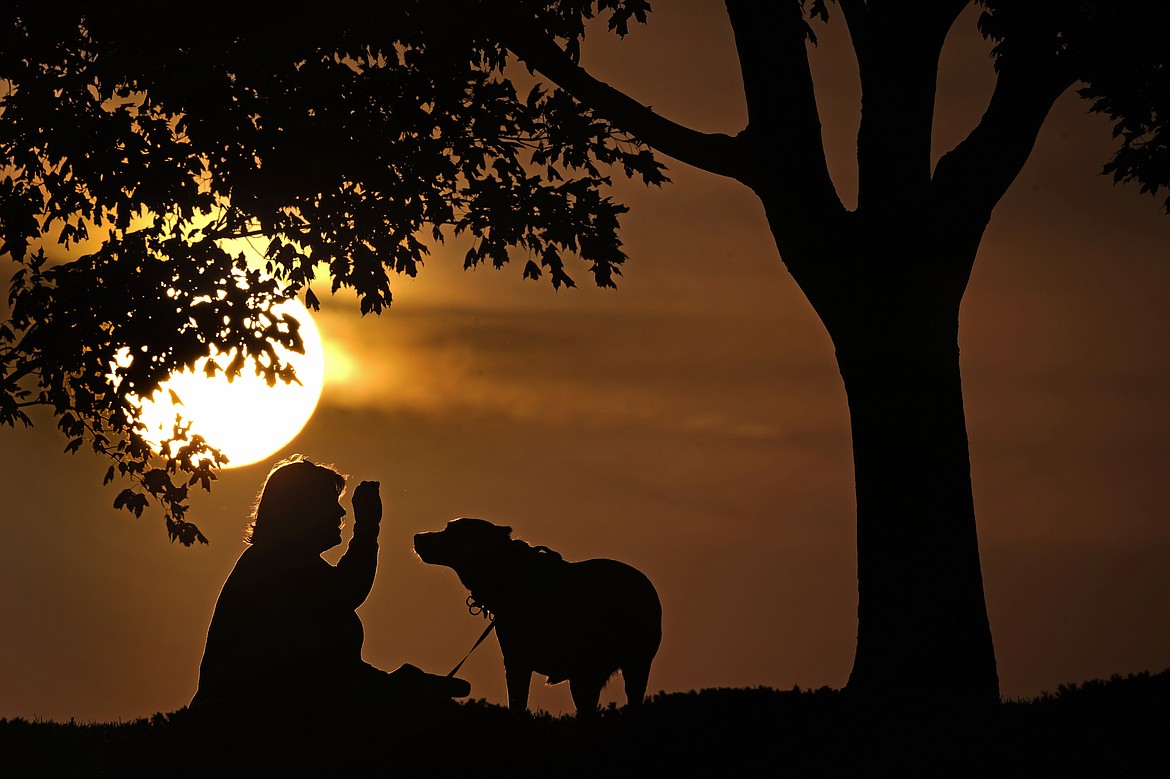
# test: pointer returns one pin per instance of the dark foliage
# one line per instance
(1119, 52)
(1114, 728)
(351, 141)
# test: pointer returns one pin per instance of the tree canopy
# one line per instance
(352, 141)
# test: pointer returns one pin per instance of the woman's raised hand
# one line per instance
(367, 503)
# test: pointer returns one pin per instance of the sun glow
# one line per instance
(245, 419)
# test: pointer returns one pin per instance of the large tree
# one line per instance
(354, 140)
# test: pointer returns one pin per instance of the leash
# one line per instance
(472, 606)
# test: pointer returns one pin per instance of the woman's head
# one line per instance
(299, 503)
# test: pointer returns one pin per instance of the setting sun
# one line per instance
(245, 419)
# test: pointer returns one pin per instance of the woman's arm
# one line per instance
(357, 566)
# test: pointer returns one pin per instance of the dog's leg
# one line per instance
(586, 692)
(636, 676)
(519, 677)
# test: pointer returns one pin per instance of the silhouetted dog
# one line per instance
(578, 621)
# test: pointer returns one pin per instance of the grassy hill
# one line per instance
(1115, 728)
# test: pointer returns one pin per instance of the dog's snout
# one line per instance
(424, 546)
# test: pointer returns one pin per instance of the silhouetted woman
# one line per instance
(285, 630)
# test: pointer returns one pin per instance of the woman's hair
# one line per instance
(289, 487)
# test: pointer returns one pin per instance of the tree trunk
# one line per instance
(889, 295)
(923, 633)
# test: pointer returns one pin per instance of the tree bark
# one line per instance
(889, 294)
(922, 632)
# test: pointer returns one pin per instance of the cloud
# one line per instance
(616, 368)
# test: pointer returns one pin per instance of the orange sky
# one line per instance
(691, 423)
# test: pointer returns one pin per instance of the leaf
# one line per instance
(184, 532)
(156, 480)
(123, 497)
(235, 366)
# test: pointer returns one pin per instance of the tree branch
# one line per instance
(854, 12)
(784, 126)
(714, 152)
(898, 47)
(19, 373)
(975, 174)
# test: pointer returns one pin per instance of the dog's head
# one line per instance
(462, 542)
